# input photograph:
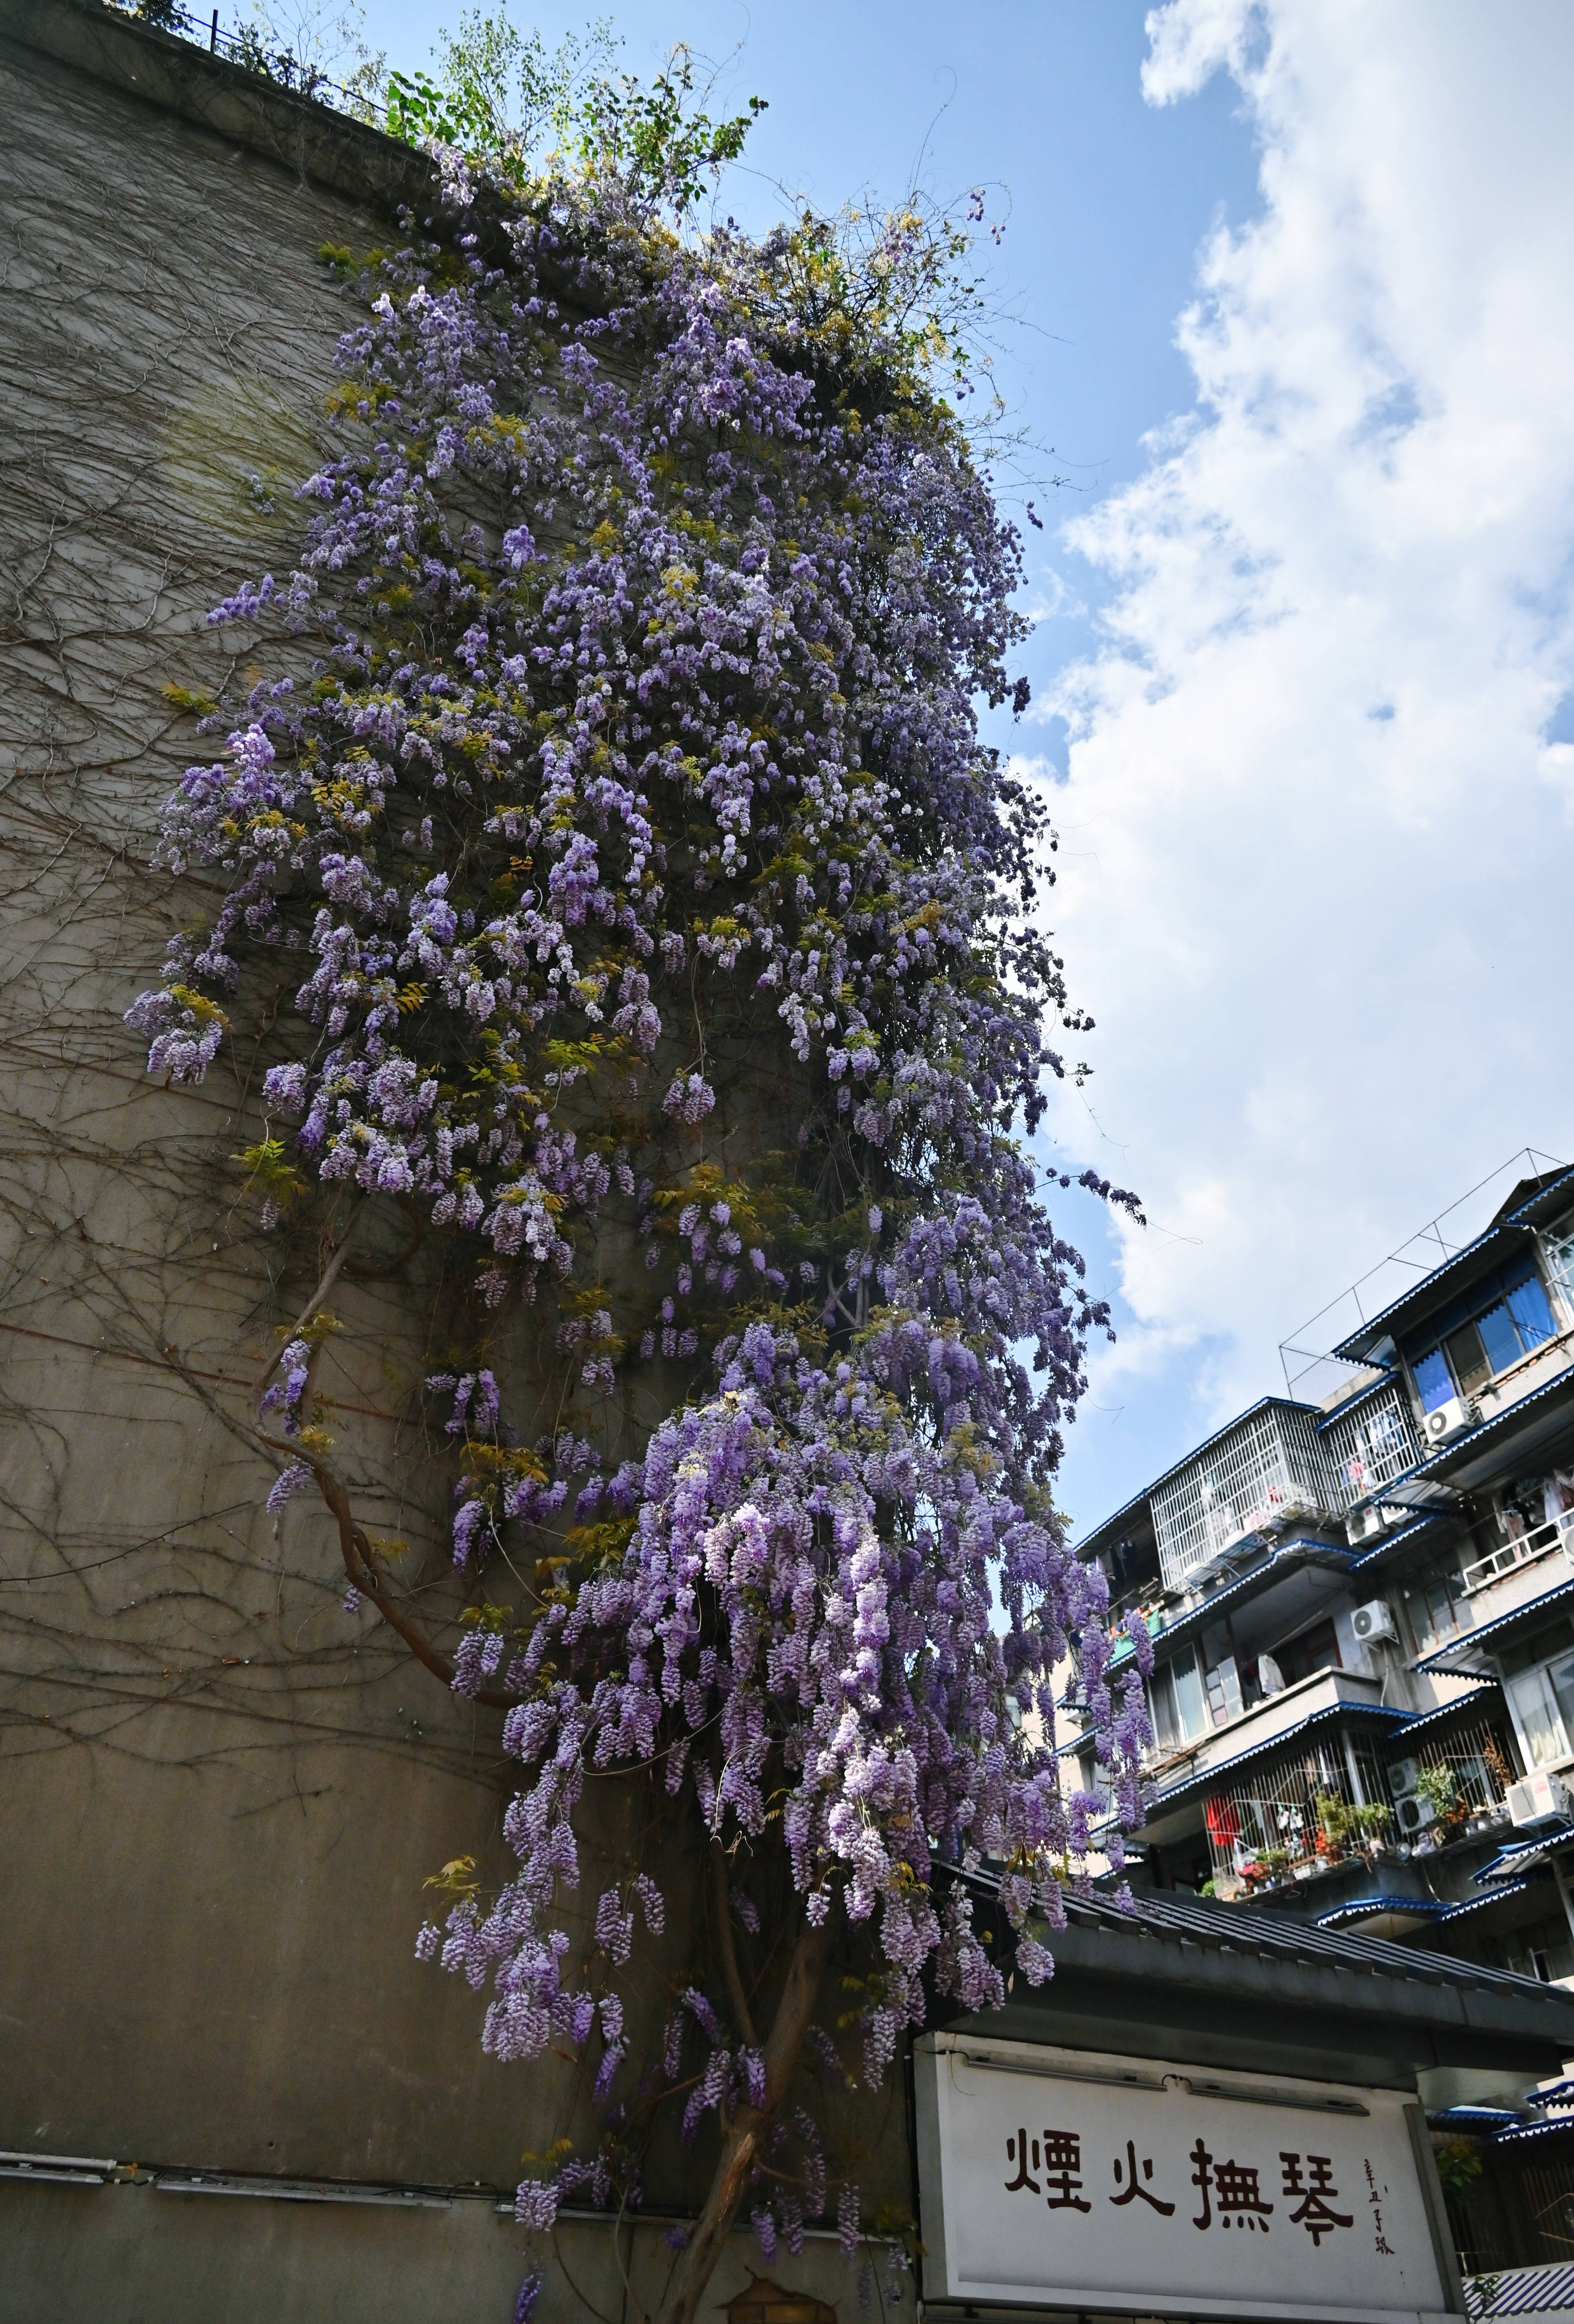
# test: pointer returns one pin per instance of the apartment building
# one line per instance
(1362, 1615)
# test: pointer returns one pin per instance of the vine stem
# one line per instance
(324, 1283)
(729, 1959)
(744, 2150)
(355, 1549)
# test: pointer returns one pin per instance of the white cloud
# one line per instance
(1318, 854)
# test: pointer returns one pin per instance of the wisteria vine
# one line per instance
(637, 776)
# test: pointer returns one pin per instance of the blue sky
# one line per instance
(1295, 282)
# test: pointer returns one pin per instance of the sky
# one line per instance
(1289, 298)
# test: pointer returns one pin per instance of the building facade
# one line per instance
(1362, 1617)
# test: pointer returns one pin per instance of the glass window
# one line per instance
(1189, 1696)
(1560, 1678)
(1560, 1263)
(1434, 1380)
(1467, 1357)
(1542, 1732)
(1161, 1701)
(1527, 1304)
(1433, 1616)
(1499, 1338)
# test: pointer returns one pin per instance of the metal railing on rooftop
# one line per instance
(247, 49)
(1311, 1371)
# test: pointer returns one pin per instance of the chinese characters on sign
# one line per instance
(1380, 2245)
(1061, 2166)
(1315, 2214)
(1229, 2192)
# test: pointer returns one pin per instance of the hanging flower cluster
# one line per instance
(655, 593)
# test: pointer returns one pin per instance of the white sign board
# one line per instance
(1061, 2178)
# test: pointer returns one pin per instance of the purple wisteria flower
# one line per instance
(637, 794)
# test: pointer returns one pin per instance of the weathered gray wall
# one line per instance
(140, 2255)
(220, 1793)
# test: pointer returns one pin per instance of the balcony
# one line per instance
(1252, 1480)
(1538, 1369)
(1277, 1715)
(1526, 1549)
(1372, 1441)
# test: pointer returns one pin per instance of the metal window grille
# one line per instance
(1559, 1255)
(1478, 1758)
(1268, 1470)
(1367, 1448)
(1275, 1823)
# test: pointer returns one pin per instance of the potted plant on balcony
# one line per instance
(1438, 1787)
(1333, 1829)
(1501, 1776)
(1276, 1865)
(1372, 1823)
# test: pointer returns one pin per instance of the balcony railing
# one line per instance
(1259, 1722)
(1524, 1549)
(1258, 1476)
(1330, 1801)
(1370, 1445)
(1534, 1370)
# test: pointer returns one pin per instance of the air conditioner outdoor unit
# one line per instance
(1373, 1620)
(1538, 1797)
(1445, 1420)
(1401, 1774)
(1411, 1815)
(1362, 1523)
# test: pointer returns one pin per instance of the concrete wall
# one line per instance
(220, 1793)
(143, 2256)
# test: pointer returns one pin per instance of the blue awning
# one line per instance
(1519, 1853)
(1479, 1680)
(1478, 1903)
(1396, 1541)
(1426, 1908)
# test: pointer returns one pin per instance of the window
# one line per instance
(1468, 1361)
(1542, 1703)
(1481, 1335)
(1499, 1338)
(1091, 1779)
(1176, 1695)
(1532, 1318)
(1537, 1677)
(1434, 1379)
(1434, 1611)
(1314, 1650)
(1189, 1693)
(1560, 1263)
